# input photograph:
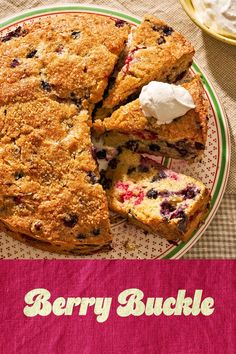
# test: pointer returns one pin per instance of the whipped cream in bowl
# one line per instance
(218, 15)
(162, 103)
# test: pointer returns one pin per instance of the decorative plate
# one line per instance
(129, 241)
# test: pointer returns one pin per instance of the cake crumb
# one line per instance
(129, 246)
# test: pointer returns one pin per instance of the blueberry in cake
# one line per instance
(183, 138)
(52, 74)
(65, 57)
(155, 198)
(156, 52)
(51, 71)
(49, 190)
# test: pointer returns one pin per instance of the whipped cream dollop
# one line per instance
(218, 15)
(165, 102)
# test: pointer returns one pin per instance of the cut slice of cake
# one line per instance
(183, 138)
(156, 52)
(49, 190)
(155, 198)
(66, 56)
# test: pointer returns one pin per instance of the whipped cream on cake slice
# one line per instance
(183, 137)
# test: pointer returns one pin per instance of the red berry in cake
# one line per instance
(59, 49)
(37, 225)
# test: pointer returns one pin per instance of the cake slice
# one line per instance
(49, 191)
(183, 138)
(61, 56)
(156, 53)
(155, 198)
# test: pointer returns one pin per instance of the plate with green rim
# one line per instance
(130, 242)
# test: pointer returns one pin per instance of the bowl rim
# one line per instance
(185, 4)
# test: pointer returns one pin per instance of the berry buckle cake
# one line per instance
(49, 191)
(155, 52)
(183, 138)
(54, 72)
(155, 198)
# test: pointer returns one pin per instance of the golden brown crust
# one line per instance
(68, 249)
(48, 178)
(72, 55)
(50, 71)
(156, 52)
